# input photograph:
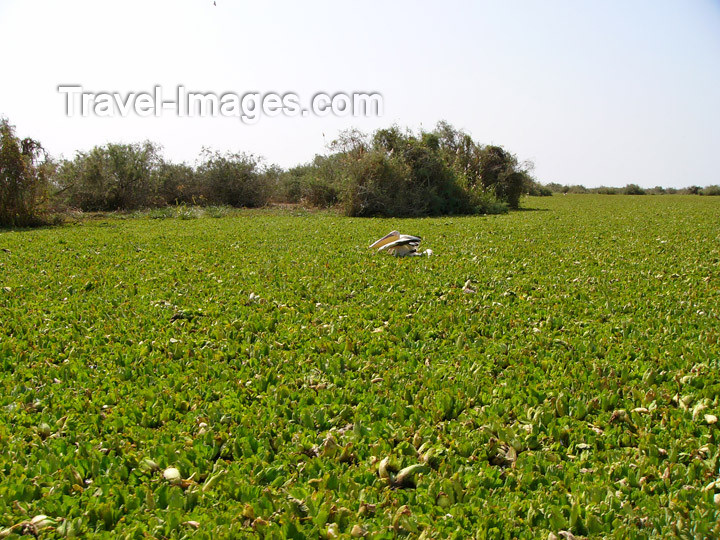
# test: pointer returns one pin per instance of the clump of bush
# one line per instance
(484, 170)
(311, 184)
(112, 177)
(176, 184)
(134, 176)
(633, 189)
(389, 173)
(399, 174)
(392, 172)
(402, 173)
(24, 179)
(234, 179)
(535, 189)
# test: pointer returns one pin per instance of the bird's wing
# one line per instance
(411, 238)
(404, 250)
(385, 239)
(404, 240)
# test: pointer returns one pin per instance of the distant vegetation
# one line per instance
(631, 189)
(401, 173)
(392, 172)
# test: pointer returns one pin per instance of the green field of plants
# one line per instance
(262, 374)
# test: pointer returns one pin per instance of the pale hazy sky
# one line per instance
(601, 92)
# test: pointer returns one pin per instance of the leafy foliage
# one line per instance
(629, 189)
(311, 184)
(23, 179)
(177, 184)
(233, 179)
(633, 189)
(134, 176)
(112, 177)
(400, 173)
(173, 378)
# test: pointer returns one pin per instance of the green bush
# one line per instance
(499, 173)
(633, 189)
(177, 184)
(391, 173)
(24, 184)
(113, 177)
(535, 189)
(378, 185)
(711, 190)
(316, 193)
(289, 189)
(399, 174)
(314, 184)
(554, 187)
(233, 179)
(488, 167)
(486, 203)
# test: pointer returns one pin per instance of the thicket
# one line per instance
(111, 177)
(388, 173)
(632, 189)
(24, 179)
(391, 172)
(133, 176)
(395, 172)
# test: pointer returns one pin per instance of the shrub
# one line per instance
(316, 193)
(492, 167)
(499, 173)
(233, 179)
(633, 189)
(556, 188)
(433, 184)
(711, 190)
(23, 179)
(379, 185)
(177, 184)
(314, 184)
(486, 203)
(289, 187)
(112, 177)
(535, 189)
(399, 175)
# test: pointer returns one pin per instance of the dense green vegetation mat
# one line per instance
(264, 375)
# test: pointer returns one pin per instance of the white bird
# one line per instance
(400, 245)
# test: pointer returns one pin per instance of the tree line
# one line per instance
(629, 189)
(391, 172)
